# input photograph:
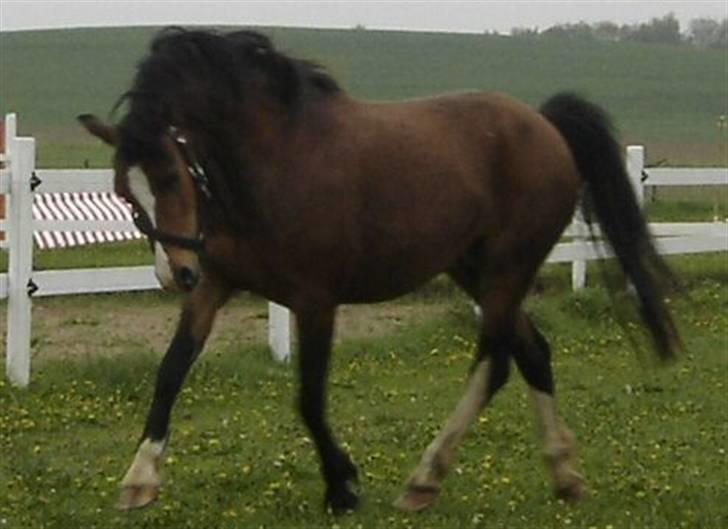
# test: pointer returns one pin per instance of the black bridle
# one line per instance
(202, 185)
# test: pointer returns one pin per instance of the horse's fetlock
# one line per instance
(340, 499)
(344, 468)
(558, 454)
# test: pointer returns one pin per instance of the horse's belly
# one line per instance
(380, 277)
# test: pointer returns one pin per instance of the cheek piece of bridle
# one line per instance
(202, 185)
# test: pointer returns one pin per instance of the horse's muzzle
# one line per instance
(186, 278)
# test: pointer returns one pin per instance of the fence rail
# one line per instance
(679, 176)
(21, 283)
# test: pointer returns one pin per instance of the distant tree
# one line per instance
(703, 32)
(721, 40)
(580, 31)
(524, 32)
(707, 33)
(606, 31)
(665, 30)
(626, 32)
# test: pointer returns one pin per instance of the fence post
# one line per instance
(279, 332)
(578, 266)
(635, 169)
(3, 153)
(20, 265)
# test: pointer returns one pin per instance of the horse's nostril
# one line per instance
(187, 278)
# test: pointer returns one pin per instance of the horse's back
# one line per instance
(480, 150)
(472, 135)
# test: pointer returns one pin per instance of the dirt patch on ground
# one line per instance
(89, 326)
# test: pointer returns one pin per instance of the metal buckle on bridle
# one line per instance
(199, 176)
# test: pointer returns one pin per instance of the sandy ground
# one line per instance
(88, 326)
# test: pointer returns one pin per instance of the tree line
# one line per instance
(701, 32)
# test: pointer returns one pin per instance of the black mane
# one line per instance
(197, 77)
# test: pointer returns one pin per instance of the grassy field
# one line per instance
(668, 98)
(652, 440)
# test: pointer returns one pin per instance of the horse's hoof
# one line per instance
(416, 499)
(341, 500)
(572, 490)
(137, 496)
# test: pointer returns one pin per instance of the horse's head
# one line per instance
(221, 97)
(164, 188)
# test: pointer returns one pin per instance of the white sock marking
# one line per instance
(438, 456)
(144, 470)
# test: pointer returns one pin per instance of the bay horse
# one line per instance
(252, 170)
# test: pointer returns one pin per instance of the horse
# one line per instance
(252, 170)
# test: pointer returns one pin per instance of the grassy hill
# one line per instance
(668, 98)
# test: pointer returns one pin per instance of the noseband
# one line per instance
(144, 224)
(202, 185)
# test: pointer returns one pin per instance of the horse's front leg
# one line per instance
(315, 330)
(142, 481)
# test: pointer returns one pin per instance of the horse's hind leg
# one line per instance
(423, 486)
(506, 331)
(533, 358)
(142, 481)
(499, 300)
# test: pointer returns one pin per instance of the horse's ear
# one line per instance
(98, 128)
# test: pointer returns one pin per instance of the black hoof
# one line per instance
(341, 500)
(341, 476)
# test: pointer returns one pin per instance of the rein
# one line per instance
(202, 184)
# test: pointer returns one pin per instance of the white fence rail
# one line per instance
(21, 282)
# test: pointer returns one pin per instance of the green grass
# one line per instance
(652, 440)
(135, 253)
(668, 98)
(687, 204)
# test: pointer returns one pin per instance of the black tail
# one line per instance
(589, 132)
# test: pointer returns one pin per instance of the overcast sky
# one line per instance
(472, 16)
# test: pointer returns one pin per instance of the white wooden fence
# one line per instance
(20, 180)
